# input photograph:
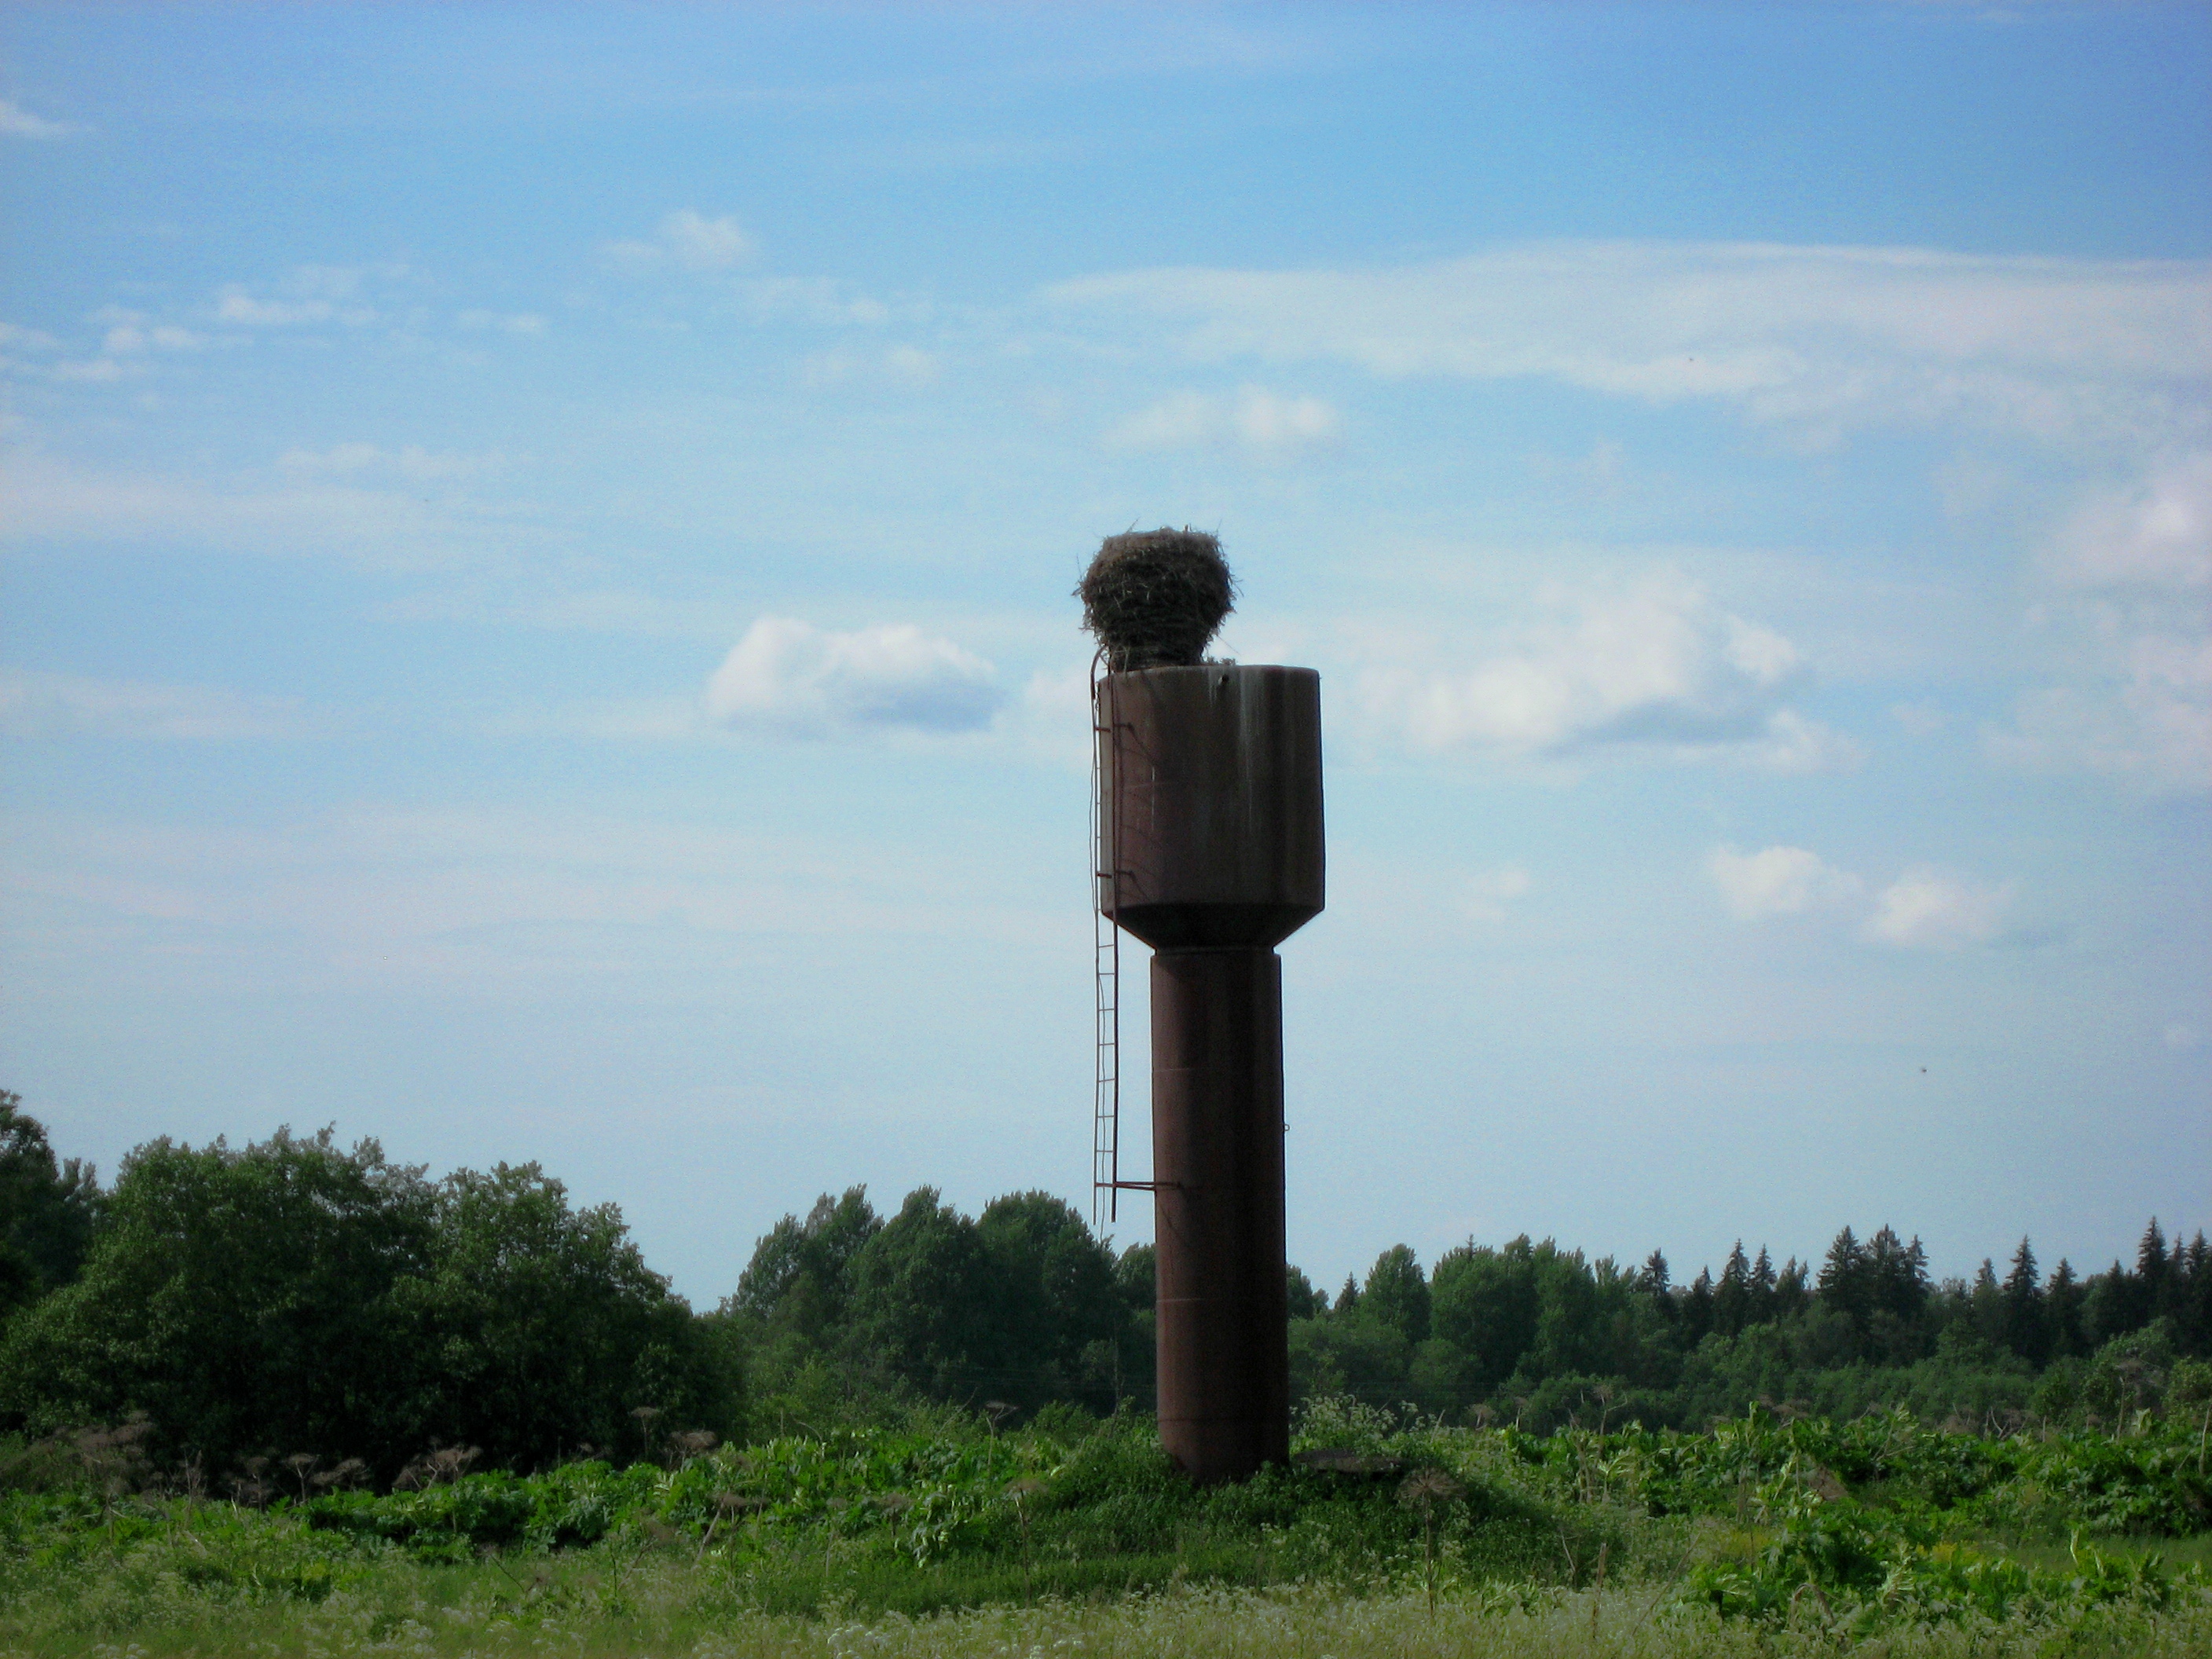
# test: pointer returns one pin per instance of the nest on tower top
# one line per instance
(1155, 597)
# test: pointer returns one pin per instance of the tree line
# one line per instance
(296, 1295)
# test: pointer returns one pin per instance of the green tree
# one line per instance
(1363, 1358)
(242, 1299)
(1897, 1275)
(1136, 1275)
(1063, 1318)
(2061, 1306)
(797, 1276)
(2023, 1326)
(927, 1309)
(539, 1328)
(1845, 1284)
(1732, 1297)
(47, 1211)
(1485, 1304)
(1397, 1294)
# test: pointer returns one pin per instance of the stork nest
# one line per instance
(1154, 597)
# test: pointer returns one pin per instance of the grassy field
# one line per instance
(1759, 1537)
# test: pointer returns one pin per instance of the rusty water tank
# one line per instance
(1211, 796)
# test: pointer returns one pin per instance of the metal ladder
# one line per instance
(1106, 1181)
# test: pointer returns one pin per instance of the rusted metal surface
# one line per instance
(1224, 1369)
(1211, 787)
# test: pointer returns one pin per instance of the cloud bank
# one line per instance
(689, 241)
(16, 122)
(1924, 909)
(1254, 420)
(35, 705)
(1820, 337)
(2128, 577)
(1778, 881)
(788, 676)
(1652, 663)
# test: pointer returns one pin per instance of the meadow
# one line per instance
(1392, 1534)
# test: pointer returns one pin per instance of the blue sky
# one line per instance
(537, 548)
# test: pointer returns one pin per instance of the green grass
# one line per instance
(672, 1608)
(1759, 1537)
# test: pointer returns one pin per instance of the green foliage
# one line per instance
(291, 1296)
(846, 1320)
(1835, 1532)
(544, 1330)
(47, 1210)
(239, 1298)
(1396, 1296)
(1543, 1337)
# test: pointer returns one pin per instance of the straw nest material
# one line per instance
(1154, 597)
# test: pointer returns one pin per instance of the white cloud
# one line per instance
(16, 122)
(702, 244)
(2155, 534)
(819, 300)
(1925, 909)
(2126, 612)
(129, 331)
(521, 322)
(473, 896)
(94, 371)
(309, 293)
(45, 500)
(36, 705)
(15, 337)
(2180, 1035)
(1651, 663)
(235, 305)
(1823, 338)
(688, 238)
(1797, 747)
(900, 365)
(1484, 895)
(411, 461)
(1254, 418)
(1778, 881)
(788, 676)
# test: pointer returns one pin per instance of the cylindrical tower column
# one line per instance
(1225, 1378)
(1211, 787)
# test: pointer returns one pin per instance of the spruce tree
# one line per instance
(1790, 1294)
(2062, 1311)
(2025, 1330)
(1842, 1284)
(1732, 1297)
(1697, 1307)
(1763, 1286)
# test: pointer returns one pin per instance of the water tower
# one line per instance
(1209, 841)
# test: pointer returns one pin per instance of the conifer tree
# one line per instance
(1842, 1284)
(2062, 1310)
(1790, 1294)
(1763, 1286)
(2025, 1330)
(1697, 1307)
(1732, 1297)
